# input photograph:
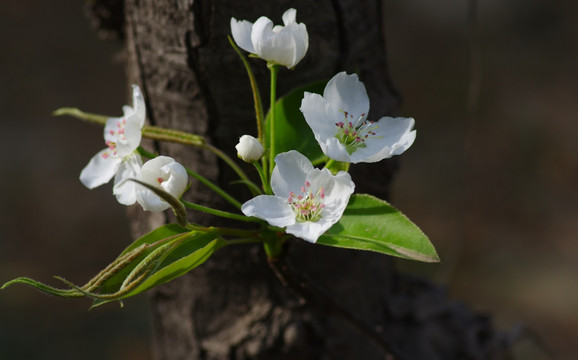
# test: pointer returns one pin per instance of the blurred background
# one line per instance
(496, 192)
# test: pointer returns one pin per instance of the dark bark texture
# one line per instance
(234, 306)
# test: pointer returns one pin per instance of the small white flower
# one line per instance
(285, 45)
(119, 160)
(166, 174)
(339, 122)
(307, 201)
(249, 149)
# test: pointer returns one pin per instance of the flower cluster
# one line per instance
(121, 160)
(298, 197)
(309, 201)
(293, 199)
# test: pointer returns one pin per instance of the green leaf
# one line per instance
(47, 289)
(372, 224)
(160, 233)
(157, 257)
(153, 240)
(291, 129)
(185, 254)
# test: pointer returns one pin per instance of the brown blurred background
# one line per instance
(496, 192)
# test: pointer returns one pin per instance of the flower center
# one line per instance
(353, 134)
(307, 206)
(118, 133)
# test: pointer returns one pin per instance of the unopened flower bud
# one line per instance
(249, 149)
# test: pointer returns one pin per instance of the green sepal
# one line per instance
(291, 130)
(372, 224)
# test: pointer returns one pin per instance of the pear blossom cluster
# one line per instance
(295, 199)
(308, 201)
(121, 160)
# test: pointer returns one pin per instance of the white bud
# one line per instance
(249, 149)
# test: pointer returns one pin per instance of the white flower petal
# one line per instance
(335, 150)
(130, 140)
(290, 173)
(395, 137)
(319, 115)
(309, 231)
(338, 192)
(125, 190)
(127, 111)
(289, 16)
(139, 106)
(241, 31)
(301, 43)
(99, 170)
(261, 35)
(275, 210)
(345, 92)
(150, 201)
(110, 128)
(177, 181)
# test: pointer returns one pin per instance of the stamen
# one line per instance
(308, 206)
(353, 135)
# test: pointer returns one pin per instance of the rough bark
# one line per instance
(234, 307)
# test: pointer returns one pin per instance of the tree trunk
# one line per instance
(234, 307)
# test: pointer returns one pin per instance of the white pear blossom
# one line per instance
(285, 45)
(120, 159)
(249, 149)
(339, 122)
(166, 174)
(307, 201)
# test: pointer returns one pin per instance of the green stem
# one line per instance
(176, 136)
(215, 188)
(146, 153)
(91, 118)
(243, 241)
(239, 233)
(256, 94)
(220, 213)
(233, 166)
(336, 166)
(274, 70)
(263, 176)
(273, 247)
(151, 132)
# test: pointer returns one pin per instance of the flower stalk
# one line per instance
(220, 213)
(274, 69)
(255, 90)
